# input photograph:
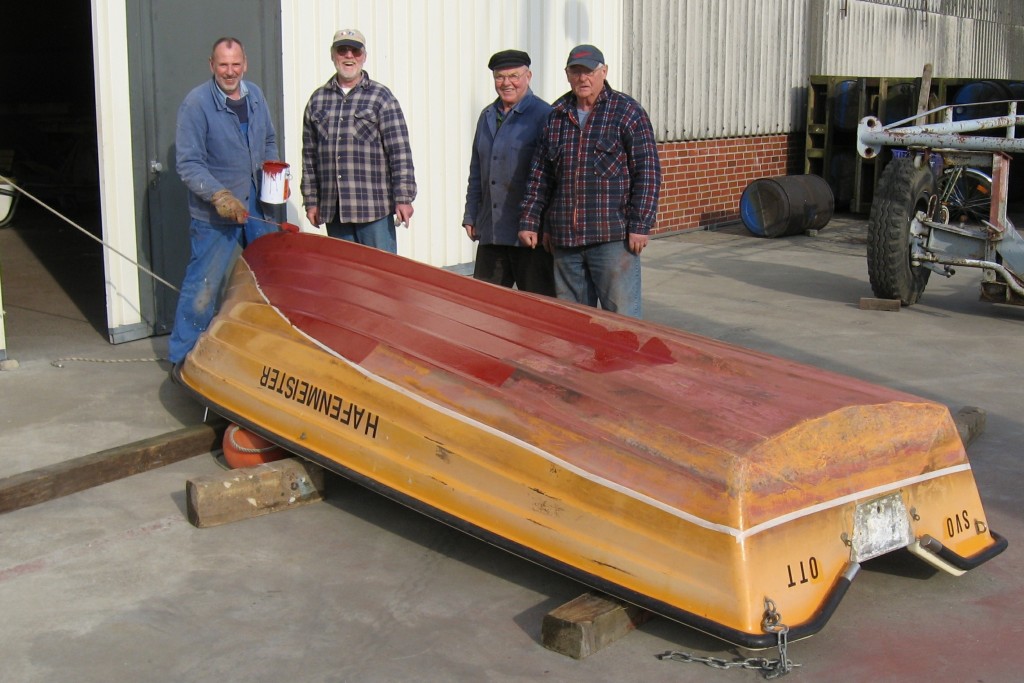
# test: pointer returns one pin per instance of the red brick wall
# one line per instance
(703, 179)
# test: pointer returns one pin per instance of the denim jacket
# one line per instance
(499, 166)
(213, 154)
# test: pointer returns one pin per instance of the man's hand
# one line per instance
(637, 242)
(403, 212)
(313, 216)
(528, 238)
(471, 231)
(229, 206)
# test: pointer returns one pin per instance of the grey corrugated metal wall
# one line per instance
(739, 67)
(717, 69)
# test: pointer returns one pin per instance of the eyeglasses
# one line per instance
(511, 78)
(343, 49)
(577, 72)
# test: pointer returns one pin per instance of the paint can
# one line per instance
(274, 189)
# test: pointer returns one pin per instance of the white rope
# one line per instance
(60, 361)
(232, 430)
(88, 234)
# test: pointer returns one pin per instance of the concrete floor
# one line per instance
(52, 408)
(113, 584)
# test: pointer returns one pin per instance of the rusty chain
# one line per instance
(771, 668)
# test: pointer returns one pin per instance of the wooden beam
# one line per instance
(924, 93)
(970, 422)
(253, 491)
(581, 627)
(870, 304)
(71, 476)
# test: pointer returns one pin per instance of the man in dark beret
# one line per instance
(506, 137)
(508, 59)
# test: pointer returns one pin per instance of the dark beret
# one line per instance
(507, 59)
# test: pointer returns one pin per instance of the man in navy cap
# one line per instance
(506, 136)
(595, 181)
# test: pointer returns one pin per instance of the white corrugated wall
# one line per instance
(433, 56)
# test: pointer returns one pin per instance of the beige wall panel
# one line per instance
(433, 56)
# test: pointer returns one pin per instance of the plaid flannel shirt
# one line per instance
(597, 184)
(356, 157)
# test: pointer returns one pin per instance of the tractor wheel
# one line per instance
(903, 190)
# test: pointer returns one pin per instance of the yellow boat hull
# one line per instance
(693, 478)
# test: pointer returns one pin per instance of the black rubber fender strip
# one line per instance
(933, 545)
(824, 613)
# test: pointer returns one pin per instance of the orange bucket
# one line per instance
(242, 448)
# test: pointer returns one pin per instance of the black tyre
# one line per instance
(903, 190)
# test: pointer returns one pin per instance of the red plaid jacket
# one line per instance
(597, 184)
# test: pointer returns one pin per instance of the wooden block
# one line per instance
(581, 627)
(62, 479)
(970, 422)
(253, 491)
(869, 304)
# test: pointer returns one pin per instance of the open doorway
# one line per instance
(53, 274)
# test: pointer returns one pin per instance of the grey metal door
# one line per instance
(169, 46)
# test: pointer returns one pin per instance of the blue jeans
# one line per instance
(379, 233)
(213, 251)
(608, 273)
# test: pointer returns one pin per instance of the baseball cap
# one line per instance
(350, 37)
(585, 55)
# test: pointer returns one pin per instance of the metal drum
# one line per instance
(846, 105)
(979, 93)
(786, 205)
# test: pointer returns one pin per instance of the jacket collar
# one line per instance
(364, 82)
(568, 100)
(221, 97)
(519, 106)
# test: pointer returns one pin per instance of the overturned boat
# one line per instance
(727, 489)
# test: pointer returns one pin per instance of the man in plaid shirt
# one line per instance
(357, 172)
(595, 181)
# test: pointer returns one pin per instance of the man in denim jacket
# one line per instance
(506, 137)
(224, 135)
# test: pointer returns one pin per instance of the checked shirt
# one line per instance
(597, 184)
(356, 157)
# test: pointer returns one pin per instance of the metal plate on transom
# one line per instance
(880, 526)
